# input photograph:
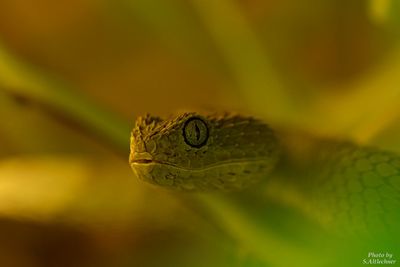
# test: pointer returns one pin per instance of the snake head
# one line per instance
(192, 151)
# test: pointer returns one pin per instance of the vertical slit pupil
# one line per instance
(197, 130)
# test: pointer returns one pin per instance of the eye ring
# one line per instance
(195, 132)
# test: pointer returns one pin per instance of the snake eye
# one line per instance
(195, 132)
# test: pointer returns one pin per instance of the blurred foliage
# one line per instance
(74, 74)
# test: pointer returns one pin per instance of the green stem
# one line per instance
(20, 78)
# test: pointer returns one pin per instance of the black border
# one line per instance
(184, 134)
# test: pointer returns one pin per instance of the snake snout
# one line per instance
(141, 158)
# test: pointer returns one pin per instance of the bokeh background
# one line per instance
(75, 74)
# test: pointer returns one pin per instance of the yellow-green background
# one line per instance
(74, 75)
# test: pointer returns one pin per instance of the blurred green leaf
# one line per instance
(24, 80)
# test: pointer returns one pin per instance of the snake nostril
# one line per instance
(140, 147)
(151, 146)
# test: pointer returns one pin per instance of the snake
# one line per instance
(336, 182)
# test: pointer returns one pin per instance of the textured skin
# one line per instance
(221, 163)
(339, 183)
(356, 189)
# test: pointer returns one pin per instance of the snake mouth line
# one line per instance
(151, 162)
(143, 161)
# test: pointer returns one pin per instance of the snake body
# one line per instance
(333, 180)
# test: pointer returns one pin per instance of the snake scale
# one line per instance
(335, 181)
